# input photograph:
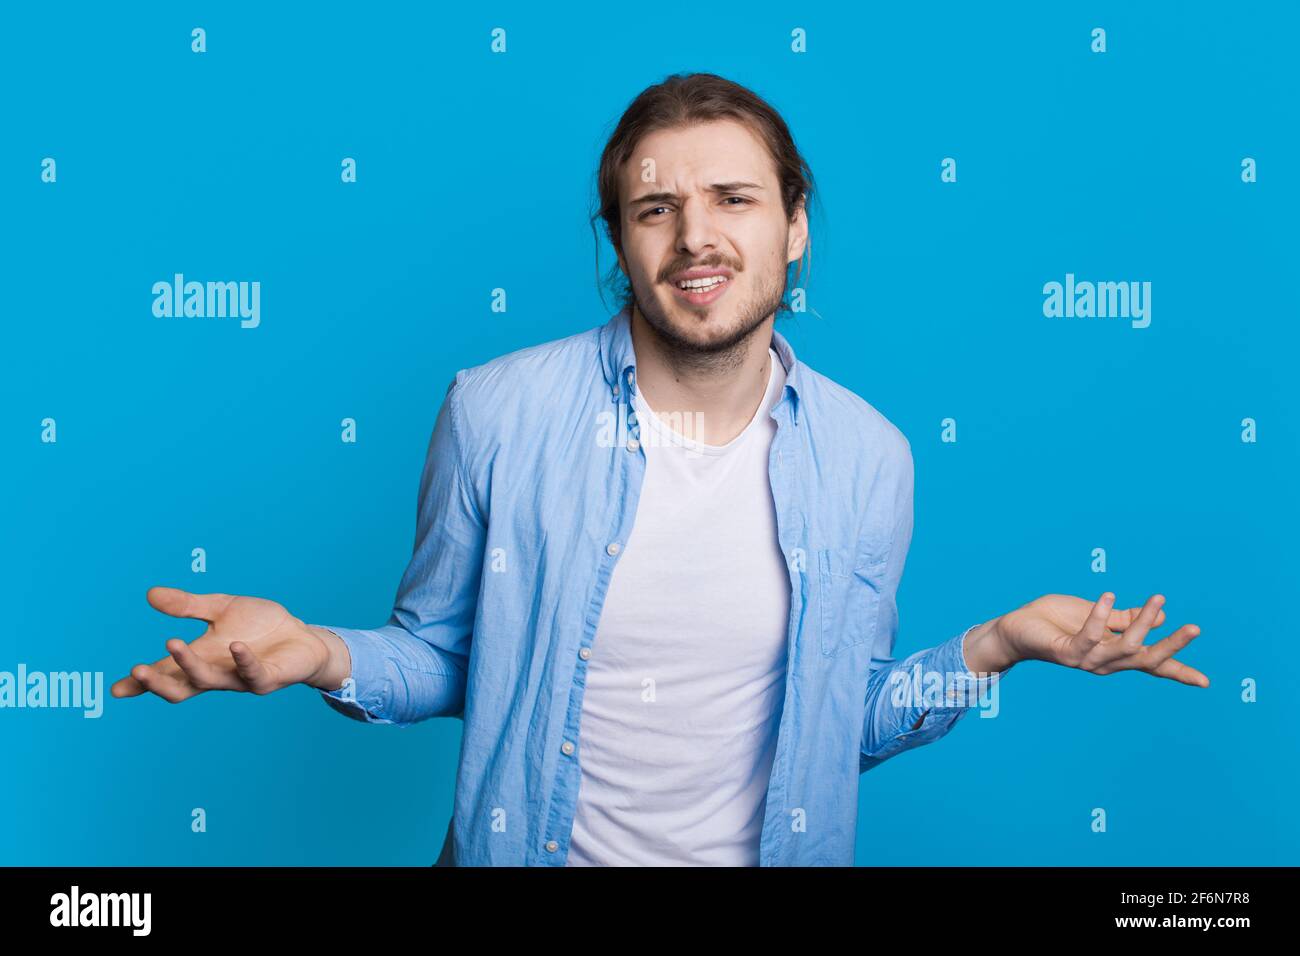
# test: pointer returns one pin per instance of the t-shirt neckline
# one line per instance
(667, 435)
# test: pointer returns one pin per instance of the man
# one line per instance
(656, 562)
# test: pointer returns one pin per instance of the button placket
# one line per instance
(613, 548)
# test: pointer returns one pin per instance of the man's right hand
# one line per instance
(251, 644)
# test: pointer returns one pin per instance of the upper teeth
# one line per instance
(707, 283)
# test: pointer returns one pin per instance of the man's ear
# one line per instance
(797, 240)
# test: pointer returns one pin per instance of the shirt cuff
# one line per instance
(364, 693)
(962, 687)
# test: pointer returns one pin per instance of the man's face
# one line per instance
(712, 210)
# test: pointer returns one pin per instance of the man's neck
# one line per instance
(721, 395)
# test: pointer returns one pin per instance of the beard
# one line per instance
(715, 349)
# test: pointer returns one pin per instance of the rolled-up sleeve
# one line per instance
(415, 667)
(916, 700)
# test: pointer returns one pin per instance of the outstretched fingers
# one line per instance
(168, 686)
(1176, 670)
(133, 686)
(1136, 633)
(202, 674)
(1158, 658)
(1094, 629)
(1119, 620)
(127, 687)
(168, 676)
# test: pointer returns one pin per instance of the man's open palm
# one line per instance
(251, 644)
(1095, 637)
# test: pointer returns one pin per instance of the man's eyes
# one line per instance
(743, 201)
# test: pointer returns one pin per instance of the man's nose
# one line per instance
(697, 229)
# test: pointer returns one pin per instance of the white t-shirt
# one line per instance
(687, 672)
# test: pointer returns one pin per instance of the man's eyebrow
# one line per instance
(715, 188)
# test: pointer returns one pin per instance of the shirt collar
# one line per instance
(618, 361)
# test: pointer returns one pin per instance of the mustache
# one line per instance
(717, 262)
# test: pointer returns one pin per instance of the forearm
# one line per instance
(984, 652)
(917, 700)
(394, 676)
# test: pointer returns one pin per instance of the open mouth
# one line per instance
(701, 291)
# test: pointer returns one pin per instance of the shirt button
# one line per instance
(633, 444)
(585, 653)
(568, 747)
(631, 418)
(612, 548)
(551, 846)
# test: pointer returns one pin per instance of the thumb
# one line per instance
(178, 603)
(251, 669)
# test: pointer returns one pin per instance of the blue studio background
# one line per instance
(475, 171)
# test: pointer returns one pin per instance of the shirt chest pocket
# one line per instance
(849, 595)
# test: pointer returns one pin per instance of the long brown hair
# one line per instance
(684, 99)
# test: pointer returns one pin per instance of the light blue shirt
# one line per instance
(528, 493)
